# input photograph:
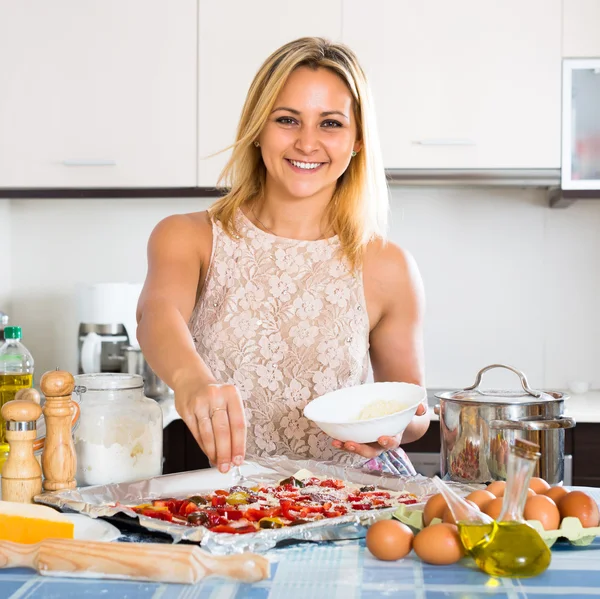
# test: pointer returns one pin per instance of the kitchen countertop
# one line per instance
(584, 407)
(344, 570)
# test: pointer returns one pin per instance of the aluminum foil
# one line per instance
(109, 500)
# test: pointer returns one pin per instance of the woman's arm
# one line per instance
(178, 255)
(397, 339)
(395, 299)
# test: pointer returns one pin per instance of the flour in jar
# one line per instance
(127, 450)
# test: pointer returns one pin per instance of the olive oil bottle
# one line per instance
(509, 546)
(16, 369)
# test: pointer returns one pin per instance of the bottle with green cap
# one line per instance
(16, 369)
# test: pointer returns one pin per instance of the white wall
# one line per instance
(5, 259)
(507, 279)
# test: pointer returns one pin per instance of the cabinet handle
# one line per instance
(89, 162)
(444, 142)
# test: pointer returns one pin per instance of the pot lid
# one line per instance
(501, 396)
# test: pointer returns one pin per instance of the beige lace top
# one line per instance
(285, 321)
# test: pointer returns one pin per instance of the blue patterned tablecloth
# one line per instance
(342, 570)
(339, 570)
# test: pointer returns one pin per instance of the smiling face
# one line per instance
(308, 139)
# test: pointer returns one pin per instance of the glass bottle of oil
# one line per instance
(16, 369)
(509, 546)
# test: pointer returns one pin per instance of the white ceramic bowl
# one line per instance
(335, 413)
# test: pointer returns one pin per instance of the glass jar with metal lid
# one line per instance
(119, 437)
(478, 426)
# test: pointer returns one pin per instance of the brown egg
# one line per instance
(531, 493)
(439, 544)
(434, 508)
(543, 509)
(539, 485)
(480, 498)
(389, 540)
(556, 493)
(494, 507)
(497, 488)
(448, 518)
(578, 504)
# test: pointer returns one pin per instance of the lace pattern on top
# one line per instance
(285, 321)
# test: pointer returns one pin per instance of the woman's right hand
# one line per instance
(215, 416)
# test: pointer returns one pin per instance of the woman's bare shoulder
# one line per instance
(192, 230)
(185, 224)
(387, 263)
(392, 281)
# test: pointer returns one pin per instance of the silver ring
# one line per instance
(216, 410)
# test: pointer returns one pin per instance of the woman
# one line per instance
(285, 287)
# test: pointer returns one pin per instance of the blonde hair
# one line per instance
(358, 209)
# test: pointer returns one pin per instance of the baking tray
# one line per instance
(113, 501)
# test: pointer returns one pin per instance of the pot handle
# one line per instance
(533, 425)
(521, 376)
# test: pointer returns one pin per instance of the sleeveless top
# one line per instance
(285, 321)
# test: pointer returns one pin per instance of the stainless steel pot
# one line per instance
(135, 363)
(477, 428)
(154, 387)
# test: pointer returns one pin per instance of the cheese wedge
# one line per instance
(30, 523)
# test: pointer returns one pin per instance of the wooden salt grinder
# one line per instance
(59, 462)
(21, 474)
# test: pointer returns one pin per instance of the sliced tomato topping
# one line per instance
(221, 492)
(312, 482)
(256, 514)
(187, 508)
(218, 500)
(158, 514)
(361, 506)
(232, 530)
(234, 514)
(333, 514)
(332, 484)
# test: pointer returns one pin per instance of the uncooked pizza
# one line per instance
(293, 501)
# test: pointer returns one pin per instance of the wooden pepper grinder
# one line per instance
(59, 462)
(21, 474)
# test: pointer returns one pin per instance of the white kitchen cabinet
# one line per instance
(462, 84)
(235, 37)
(98, 94)
(581, 28)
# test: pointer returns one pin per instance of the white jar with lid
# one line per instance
(120, 432)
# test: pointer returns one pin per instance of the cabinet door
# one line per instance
(98, 94)
(581, 28)
(463, 84)
(236, 37)
(581, 124)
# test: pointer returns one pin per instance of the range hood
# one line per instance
(541, 178)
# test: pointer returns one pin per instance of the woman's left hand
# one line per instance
(372, 450)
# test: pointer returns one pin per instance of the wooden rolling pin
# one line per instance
(155, 562)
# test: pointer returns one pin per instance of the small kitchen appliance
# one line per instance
(107, 324)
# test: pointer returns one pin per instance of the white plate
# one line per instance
(92, 529)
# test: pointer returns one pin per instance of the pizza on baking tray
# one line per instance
(293, 501)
